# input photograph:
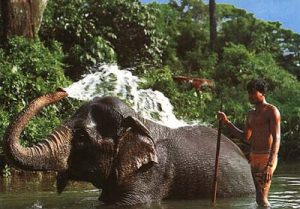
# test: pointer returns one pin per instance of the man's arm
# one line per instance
(236, 132)
(275, 132)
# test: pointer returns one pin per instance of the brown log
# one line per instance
(196, 83)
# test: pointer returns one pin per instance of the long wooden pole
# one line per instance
(215, 182)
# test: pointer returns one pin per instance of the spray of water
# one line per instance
(109, 80)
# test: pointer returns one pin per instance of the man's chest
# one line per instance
(259, 120)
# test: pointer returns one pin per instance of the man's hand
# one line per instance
(222, 117)
(268, 174)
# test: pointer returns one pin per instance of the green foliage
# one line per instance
(188, 104)
(238, 66)
(185, 25)
(290, 56)
(27, 70)
(25, 67)
(5, 119)
(240, 27)
(1, 25)
(103, 31)
(286, 96)
(93, 51)
(160, 80)
(167, 24)
(235, 66)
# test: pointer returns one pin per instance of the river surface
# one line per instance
(27, 192)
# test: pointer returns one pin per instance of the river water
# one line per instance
(38, 192)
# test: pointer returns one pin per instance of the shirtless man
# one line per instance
(262, 131)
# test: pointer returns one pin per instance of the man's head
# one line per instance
(257, 85)
(256, 91)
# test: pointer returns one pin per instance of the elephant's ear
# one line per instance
(135, 149)
(136, 125)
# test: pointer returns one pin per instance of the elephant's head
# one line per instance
(103, 138)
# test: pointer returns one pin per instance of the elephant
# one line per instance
(132, 160)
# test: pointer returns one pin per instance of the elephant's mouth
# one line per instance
(92, 176)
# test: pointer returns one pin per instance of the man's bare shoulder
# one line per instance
(273, 110)
(272, 107)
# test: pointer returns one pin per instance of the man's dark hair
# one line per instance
(257, 85)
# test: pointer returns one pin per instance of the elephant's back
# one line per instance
(203, 140)
(193, 149)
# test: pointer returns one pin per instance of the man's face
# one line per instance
(255, 97)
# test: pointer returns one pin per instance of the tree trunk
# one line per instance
(213, 24)
(22, 17)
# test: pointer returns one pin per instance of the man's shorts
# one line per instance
(258, 163)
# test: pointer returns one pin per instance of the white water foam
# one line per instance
(109, 80)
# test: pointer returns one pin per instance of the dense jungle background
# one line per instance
(159, 41)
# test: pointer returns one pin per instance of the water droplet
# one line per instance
(109, 80)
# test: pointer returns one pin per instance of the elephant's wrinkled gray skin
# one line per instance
(133, 160)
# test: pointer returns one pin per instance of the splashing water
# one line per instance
(109, 80)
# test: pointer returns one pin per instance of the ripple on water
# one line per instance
(37, 205)
(290, 196)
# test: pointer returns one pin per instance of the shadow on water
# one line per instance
(39, 192)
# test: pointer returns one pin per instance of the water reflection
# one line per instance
(39, 192)
(287, 192)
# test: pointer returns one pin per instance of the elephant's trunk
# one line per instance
(46, 155)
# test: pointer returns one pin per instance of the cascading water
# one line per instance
(109, 80)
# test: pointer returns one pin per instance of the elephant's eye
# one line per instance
(80, 133)
(80, 136)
